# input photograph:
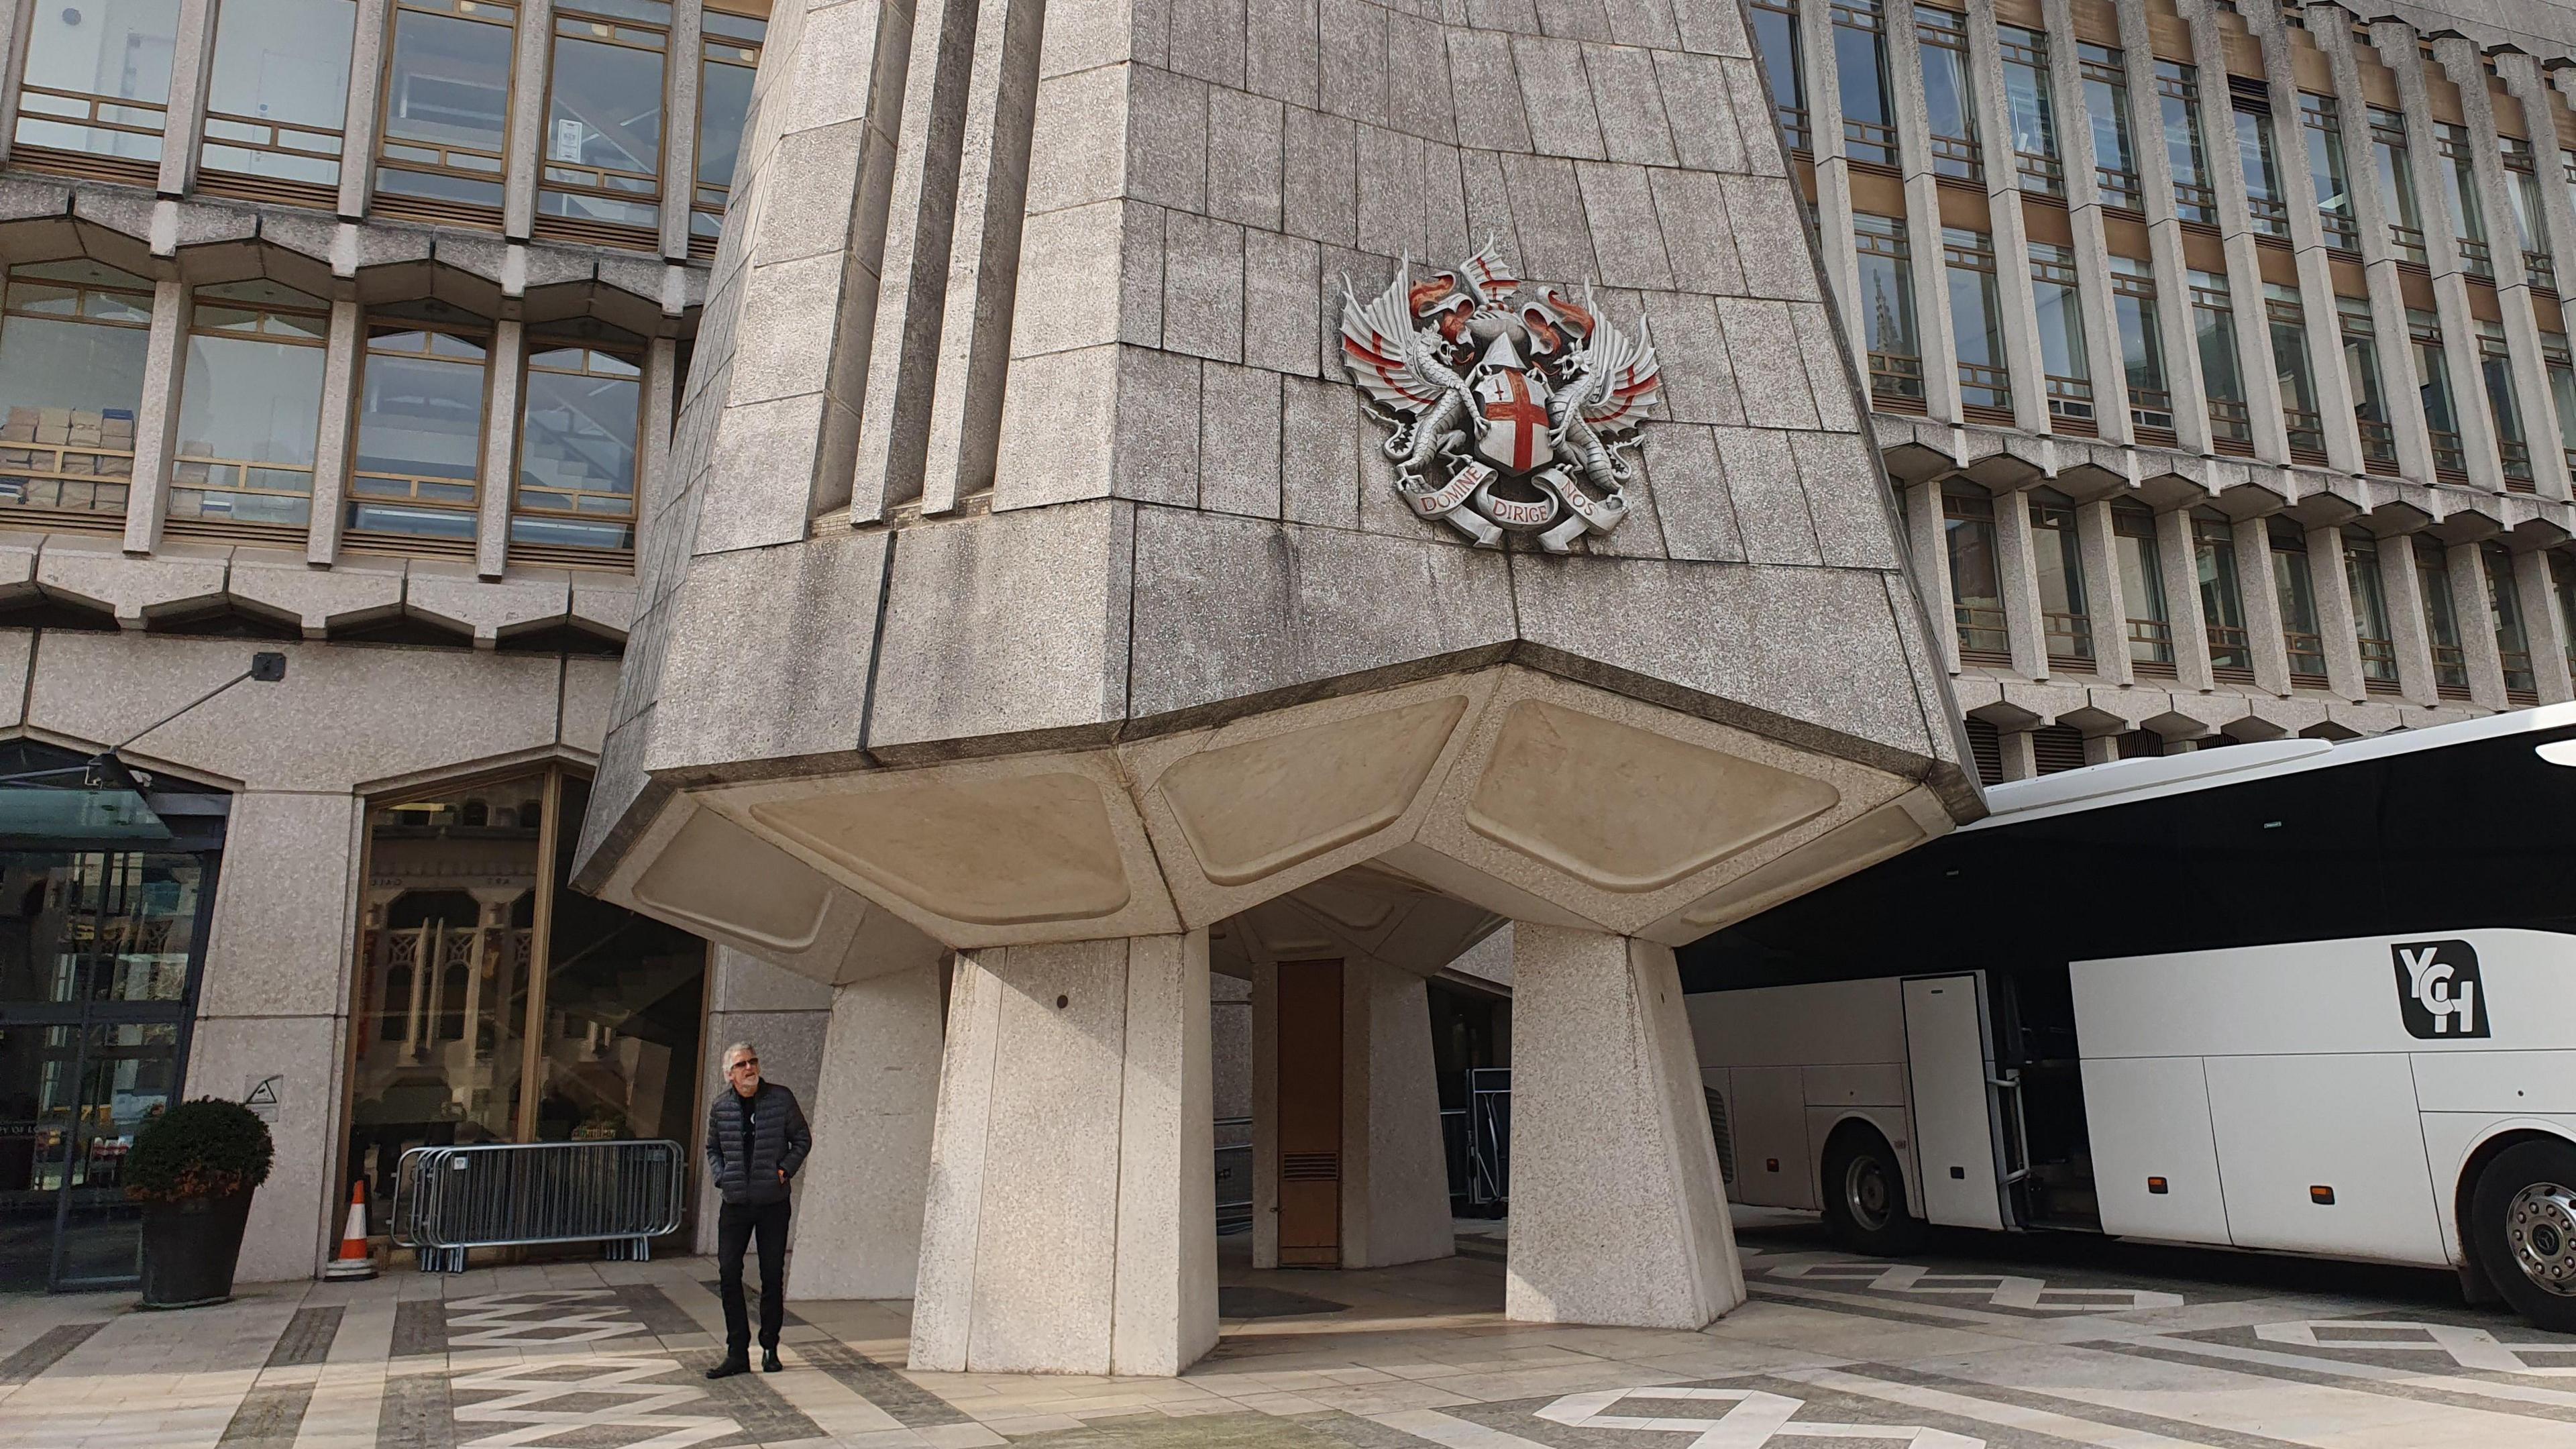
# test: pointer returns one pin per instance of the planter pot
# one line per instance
(190, 1248)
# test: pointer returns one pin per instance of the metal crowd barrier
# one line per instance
(622, 1194)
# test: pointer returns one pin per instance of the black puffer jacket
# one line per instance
(779, 1142)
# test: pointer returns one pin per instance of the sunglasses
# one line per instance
(751, 1062)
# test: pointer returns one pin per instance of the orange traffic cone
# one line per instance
(355, 1260)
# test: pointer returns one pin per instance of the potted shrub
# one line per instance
(193, 1168)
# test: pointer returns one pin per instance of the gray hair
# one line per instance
(738, 1048)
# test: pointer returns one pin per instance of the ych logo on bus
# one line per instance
(2437, 989)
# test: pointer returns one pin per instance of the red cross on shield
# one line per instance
(1511, 424)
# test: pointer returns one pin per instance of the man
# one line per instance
(756, 1139)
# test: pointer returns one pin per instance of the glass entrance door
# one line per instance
(98, 957)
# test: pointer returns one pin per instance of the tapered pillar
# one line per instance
(1618, 1216)
(858, 1213)
(1071, 1220)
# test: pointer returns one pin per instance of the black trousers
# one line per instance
(735, 1224)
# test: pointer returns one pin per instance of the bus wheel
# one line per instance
(1865, 1195)
(2524, 1220)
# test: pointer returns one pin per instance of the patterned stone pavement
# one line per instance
(1985, 1341)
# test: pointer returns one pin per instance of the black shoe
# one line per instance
(769, 1363)
(736, 1364)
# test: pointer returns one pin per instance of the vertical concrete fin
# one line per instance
(952, 1213)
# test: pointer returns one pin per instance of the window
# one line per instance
(1887, 302)
(461, 994)
(1947, 100)
(2378, 644)
(2495, 370)
(72, 347)
(250, 407)
(2213, 321)
(2433, 382)
(2251, 106)
(2441, 623)
(1860, 63)
(2178, 105)
(2142, 589)
(1775, 39)
(277, 96)
(1976, 326)
(97, 88)
(2028, 111)
(2106, 100)
(730, 53)
(2397, 185)
(2369, 394)
(2061, 335)
(2222, 601)
(577, 452)
(419, 450)
(2460, 190)
(2561, 367)
(2142, 349)
(2522, 190)
(446, 111)
(2288, 321)
(1976, 583)
(2057, 550)
(1986, 751)
(2322, 122)
(2297, 592)
(2513, 645)
(601, 179)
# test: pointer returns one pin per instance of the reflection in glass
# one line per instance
(1976, 580)
(250, 405)
(2288, 323)
(730, 51)
(2369, 395)
(2504, 603)
(72, 346)
(98, 82)
(2178, 107)
(2433, 385)
(2058, 553)
(447, 105)
(2264, 204)
(2296, 591)
(278, 89)
(2460, 190)
(1860, 65)
(420, 432)
(1947, 101)
(2322, 121)
(2027, 109)
(577, 450)
(2397, 184)
(2106, 102)
(2142, 348)
(2495, 370)
(1887, 305)
(1976, 321)
(2441, 620)
(2222, 600)
(2142, 588)
(2370, 608)
(2061, 332)
(2213, 321)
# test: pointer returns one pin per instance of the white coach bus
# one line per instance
(2292, 996)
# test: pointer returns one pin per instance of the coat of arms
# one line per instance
(1510, 412)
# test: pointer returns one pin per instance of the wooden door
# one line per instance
(1310, 1114)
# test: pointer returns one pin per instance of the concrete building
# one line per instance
(2216, 349)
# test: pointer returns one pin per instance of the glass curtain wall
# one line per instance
(2433, 383)
(2321, 121)
(2370, 610)
(1887, 304)
(277, 99)
(2287, 321)
(446, 110)
(2513, 644)
(250, 407)
(72, 345)
(2178, 109)
(1860, 67)
(419, 457)
(2296, 591)
(1976, 322)
(495, 1004)
(602, 176)
(2213, 323)
(2441, 618)
(2069, 374)
(2397, 185)
(2369, 394)
(729, 55)
(96, 93)
(2222, 598)
(2142, 589)
(2142, 349)
(2106, 102)
(577, 435)
(2057, 551)
(2028, 110)
(1948, 102)
(1976, 578)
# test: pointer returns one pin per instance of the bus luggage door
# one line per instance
(1950, 1062)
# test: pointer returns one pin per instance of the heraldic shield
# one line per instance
(1509, 412)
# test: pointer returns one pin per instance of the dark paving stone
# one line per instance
(909, 1403)
(47, 1350)
(747, 1399)
(654, 1309)
(1213, 1431)
(420, 1326)
(1248, 1301)
(417, 1412)
(268, 1417)
(308, 1336)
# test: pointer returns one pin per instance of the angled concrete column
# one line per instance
(2338, 617)
(1394, 1177)
(1617, 1212)
(858, 1215)
(1071, 1221)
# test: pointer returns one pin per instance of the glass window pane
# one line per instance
(285, 61)
(724, 99)
(111, 50)
(250, 414)
(2142, 585)
(577, 450)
